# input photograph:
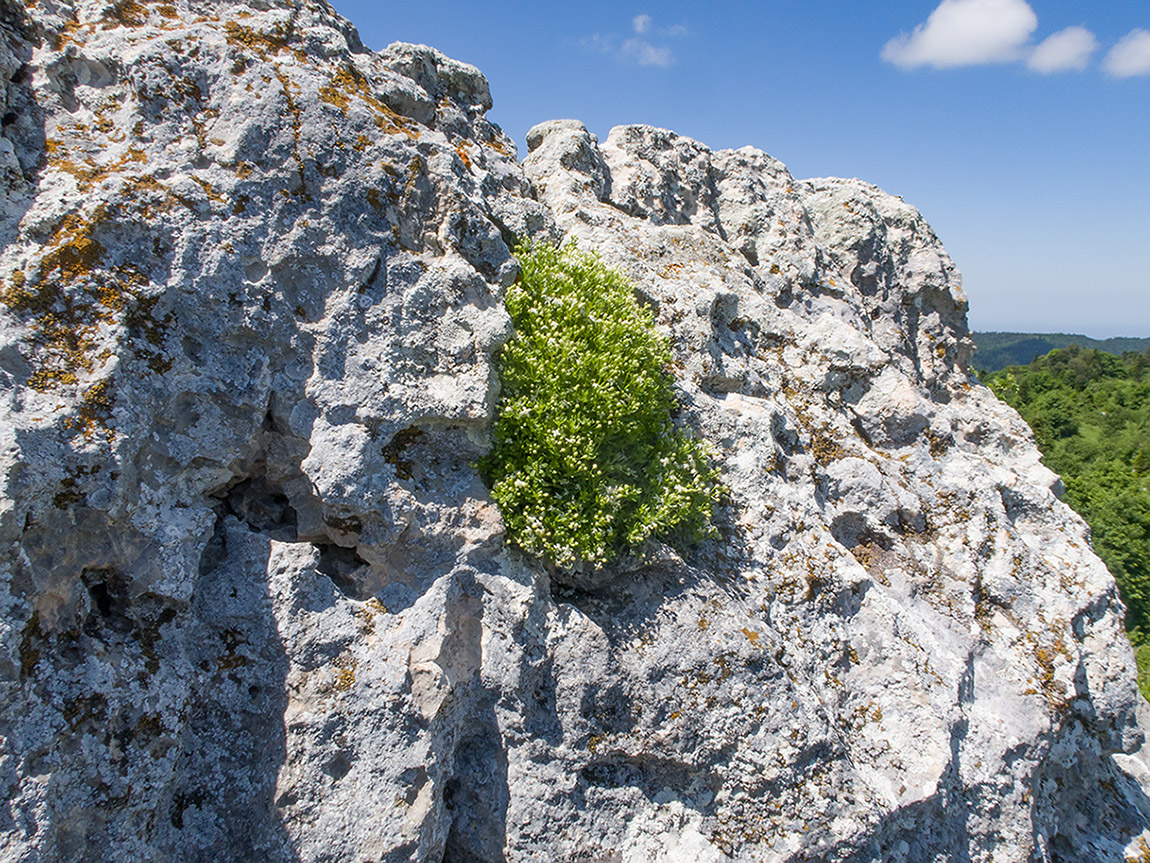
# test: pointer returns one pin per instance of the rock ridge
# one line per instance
(256, 603)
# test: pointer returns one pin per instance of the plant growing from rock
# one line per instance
(587, 462)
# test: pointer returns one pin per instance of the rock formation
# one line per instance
(256, 603)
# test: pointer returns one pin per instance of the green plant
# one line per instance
(587, 462)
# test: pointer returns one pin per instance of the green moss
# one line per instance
(587, 462)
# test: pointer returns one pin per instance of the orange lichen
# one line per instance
(89, 174)
(348, 82)
(126, 13)
(94, 412)
(335, 97)
(260, 41)
(496, 144)
(461, 151)
(212, 194)
(69, 303)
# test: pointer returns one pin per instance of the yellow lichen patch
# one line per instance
(297, 128)
(825, 448)
(344, 679)
(212, 194)
(334, 97)
(262, 42)
(126, 13)
(461, 151)
(68, 305)
(348, 82)
(751, 635)
(1140, 853)
(89, 174)
(368, 612)
(94, 412)
(496, 144)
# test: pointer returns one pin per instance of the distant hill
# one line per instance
(999, 350)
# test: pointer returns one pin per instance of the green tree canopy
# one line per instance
(1090, 412)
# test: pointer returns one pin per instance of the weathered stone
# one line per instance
(256, 603)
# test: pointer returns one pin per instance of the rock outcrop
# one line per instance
(256, 603)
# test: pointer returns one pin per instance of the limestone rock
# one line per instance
(256, 603)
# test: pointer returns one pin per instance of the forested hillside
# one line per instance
(1090, 411)
(996, 351)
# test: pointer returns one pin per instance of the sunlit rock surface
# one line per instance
(256, 604)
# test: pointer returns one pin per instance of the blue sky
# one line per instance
(1021, 128)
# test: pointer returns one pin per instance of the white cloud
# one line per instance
(641, 23)
(1130, 57)
(646, 54)
(966, 33)
(1067, 49)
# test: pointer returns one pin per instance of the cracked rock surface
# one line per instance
(257, 604)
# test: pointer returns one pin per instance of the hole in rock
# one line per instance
(341, 565)
(107, 596)
(101, 598)
(608, 775)
(393, 450)
(339, 766)
(8, 119)
(263, 507)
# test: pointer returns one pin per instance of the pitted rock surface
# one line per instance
(257, 604)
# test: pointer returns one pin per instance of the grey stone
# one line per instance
(257, 604)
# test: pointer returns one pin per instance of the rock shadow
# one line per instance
(476, 792)
(22, 128)
(221, 802)
(935, 828)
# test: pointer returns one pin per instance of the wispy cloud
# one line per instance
(641, 51)
(1130, 57)
(646, 54)
(966, 33)
(1067, 49)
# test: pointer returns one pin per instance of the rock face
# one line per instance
(255, 602)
